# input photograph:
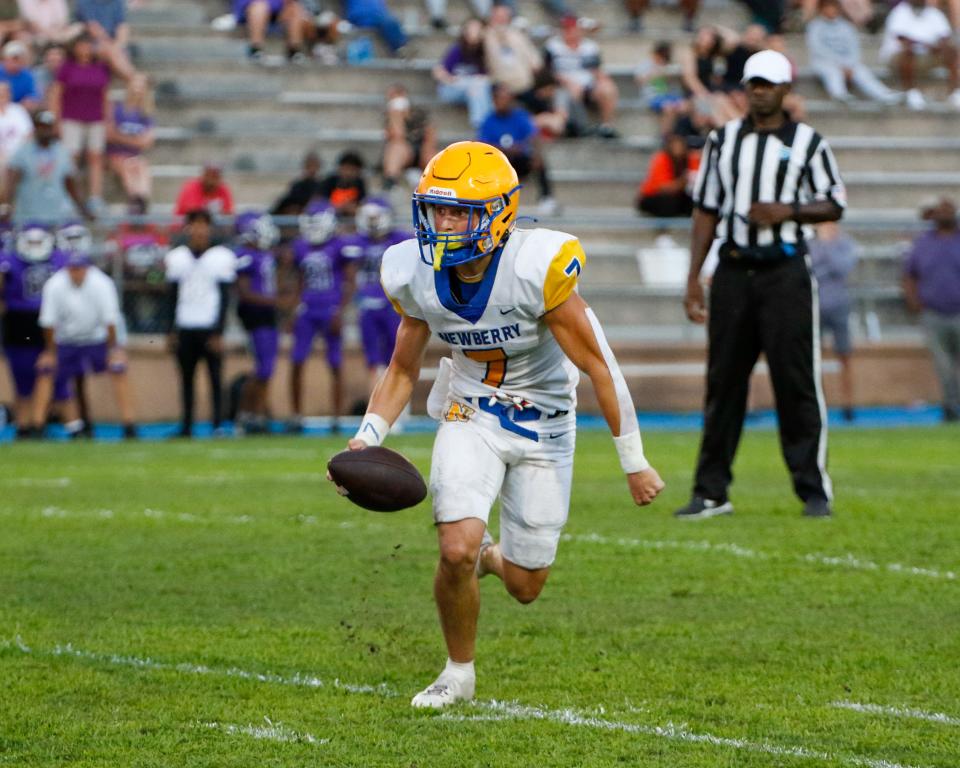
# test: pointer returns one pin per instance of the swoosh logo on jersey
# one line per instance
(555, 435)
(507, 311)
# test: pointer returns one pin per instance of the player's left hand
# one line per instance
(644, 486)
(768, 214)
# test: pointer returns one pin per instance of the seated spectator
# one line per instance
(47, 21)
(11, 24)
(509, 54)
(703, 71)
(301, 191)
(438, 11)
(917, 36)
(105, 17)
(258, 15)
(410, 139)
(129, 135)
(23, 86)
(207, 192)
(15, 127)
(666, 190)
(653, 78)
(41, 185)
(551, 107)
(510, 128)
(462, 76)
(833, 48)
(859, 12)
(45, 73)
(345, 187)
(576, 63)
(636, 9)
(78, 98)
(374, 14)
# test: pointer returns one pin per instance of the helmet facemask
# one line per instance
(318, 226)
(35, 245)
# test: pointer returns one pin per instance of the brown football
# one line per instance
(378, 479)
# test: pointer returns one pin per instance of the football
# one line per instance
(378, 479)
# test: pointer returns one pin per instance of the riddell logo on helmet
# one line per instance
(441, 192)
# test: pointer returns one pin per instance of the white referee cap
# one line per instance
(771, 66)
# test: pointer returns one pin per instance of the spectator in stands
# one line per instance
(345, 187)
(636, 9)
(410, 139)
(665, 192)
(833, 48)
(462, 75)
(438, 11)
(302, 190)
(931, 286)
(80, 317)
(78, 98)
(576, 62)
(129, 135)
(769, 13)
(703, 72)
(108, 17)
(918, 36)
(47, 21)
(23, 86)
(41, 184)
(45, 73)
(208, 192)
(511, 129)
(833, 257)
(510, 55)
(557, 8)
(258, 15)
(15, 127)
(199, 274)
(654, 80)
(551, 107)
(10, 22)
(374, 14)
(859, 12)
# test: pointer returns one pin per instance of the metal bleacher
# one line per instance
(259, 120)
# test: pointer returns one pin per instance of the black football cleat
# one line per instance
(817, 507)
(700, 508)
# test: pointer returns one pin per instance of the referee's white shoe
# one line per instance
(447, 689)
(699, 508)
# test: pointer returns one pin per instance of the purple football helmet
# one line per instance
(318, 222)
(257, 229)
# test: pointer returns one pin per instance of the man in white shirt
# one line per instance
(79, 314)
(918, 36)
(199, 275)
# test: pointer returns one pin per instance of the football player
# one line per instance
(23, 273)
(327, 281)
(505, 301)
(377, 319)
(257, 236)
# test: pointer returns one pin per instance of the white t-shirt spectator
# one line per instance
(575, 64)
(199, 278)
(15, 127)
(925, 28)
(79, 314)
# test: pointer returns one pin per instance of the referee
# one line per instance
(199, 274)
(762, 179)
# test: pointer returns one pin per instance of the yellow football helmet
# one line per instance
(472, 175)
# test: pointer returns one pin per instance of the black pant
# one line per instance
(666, 204)
(767, 309)
(192, 345)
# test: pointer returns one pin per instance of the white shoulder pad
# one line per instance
(546, 280)
(398, 272)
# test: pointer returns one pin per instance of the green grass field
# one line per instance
(215, 604)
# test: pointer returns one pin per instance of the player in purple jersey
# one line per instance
(378, 320)
(257, 235)
(23, 272)
(327, 283)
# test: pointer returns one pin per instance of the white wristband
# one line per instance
(373, 429)
(630, 450)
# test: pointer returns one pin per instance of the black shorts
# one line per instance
(22, 329)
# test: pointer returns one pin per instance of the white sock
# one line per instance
(460, 670)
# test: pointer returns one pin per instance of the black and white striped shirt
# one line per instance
(742, 166)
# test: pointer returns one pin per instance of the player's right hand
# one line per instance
(694, 303)
(644, 486)
(355, 444)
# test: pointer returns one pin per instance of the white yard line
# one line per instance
(270, 731)
(846, 561)
(37, 482)
(901, 712)
(493, 710)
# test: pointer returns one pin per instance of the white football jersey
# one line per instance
(499, 340)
